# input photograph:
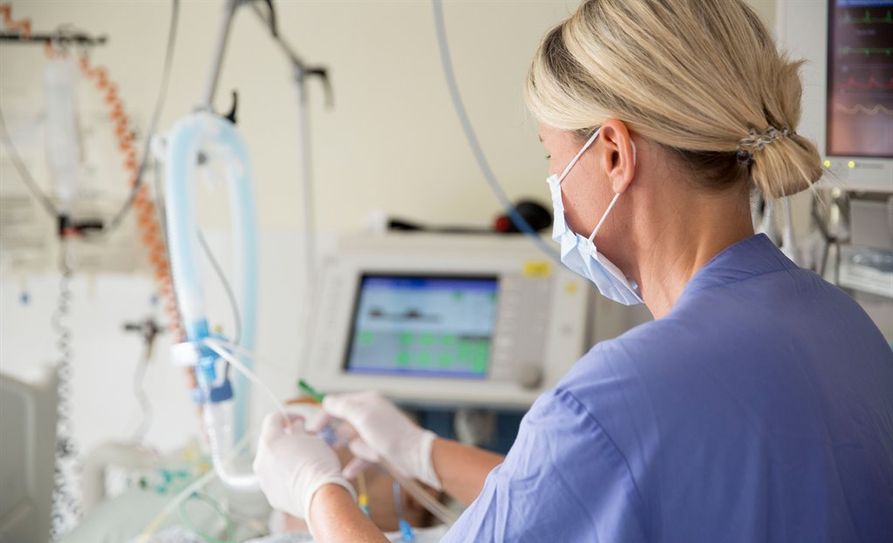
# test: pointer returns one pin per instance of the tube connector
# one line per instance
(197, 356)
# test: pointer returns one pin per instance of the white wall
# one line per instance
(103, 404)
(391, 143)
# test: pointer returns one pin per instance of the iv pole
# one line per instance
(301, 73)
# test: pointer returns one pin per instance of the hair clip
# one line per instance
(756, 141)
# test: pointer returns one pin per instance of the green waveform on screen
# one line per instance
(865, 50)
(866, 18)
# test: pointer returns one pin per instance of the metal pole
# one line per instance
(306, 159)
(217, 61)
(301, 72)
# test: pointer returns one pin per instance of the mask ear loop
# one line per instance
(611, 205)
(574, 160)
(604, 217)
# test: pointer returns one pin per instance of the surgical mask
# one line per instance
(579, 253)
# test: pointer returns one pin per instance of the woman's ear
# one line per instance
(617, 154)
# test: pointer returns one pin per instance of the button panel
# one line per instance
(522, 326)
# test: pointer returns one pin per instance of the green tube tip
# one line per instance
(310, 391)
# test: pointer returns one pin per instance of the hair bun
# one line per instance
(701, 77)
(782, 162)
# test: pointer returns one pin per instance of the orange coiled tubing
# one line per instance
(144, 208)
(150, 232)
(22, 26)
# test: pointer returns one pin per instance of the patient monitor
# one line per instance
(847, 85)
(453, 320)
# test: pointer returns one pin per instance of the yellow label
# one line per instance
(537, 268)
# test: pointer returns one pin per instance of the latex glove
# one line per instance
(291, 465)
(384, 432)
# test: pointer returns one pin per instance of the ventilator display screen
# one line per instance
(423, 326)
(860, 78)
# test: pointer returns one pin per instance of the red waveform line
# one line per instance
(854, 84)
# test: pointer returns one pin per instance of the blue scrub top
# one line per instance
(759, 409)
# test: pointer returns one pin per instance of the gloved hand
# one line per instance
(291, 465)
(384, 432)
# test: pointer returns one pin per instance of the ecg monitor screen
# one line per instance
(423, 326)
(860, 78)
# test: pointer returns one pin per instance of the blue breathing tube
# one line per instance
(446, 63)
(204, 138)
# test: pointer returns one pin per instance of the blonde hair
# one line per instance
(701, 77)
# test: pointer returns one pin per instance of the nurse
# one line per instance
(756, 406)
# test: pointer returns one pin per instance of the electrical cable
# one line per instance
(215, 505)
(230, 295)
(471, 136)
(139, 391)
(156, 115)
(24, 174)
(187, 492)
